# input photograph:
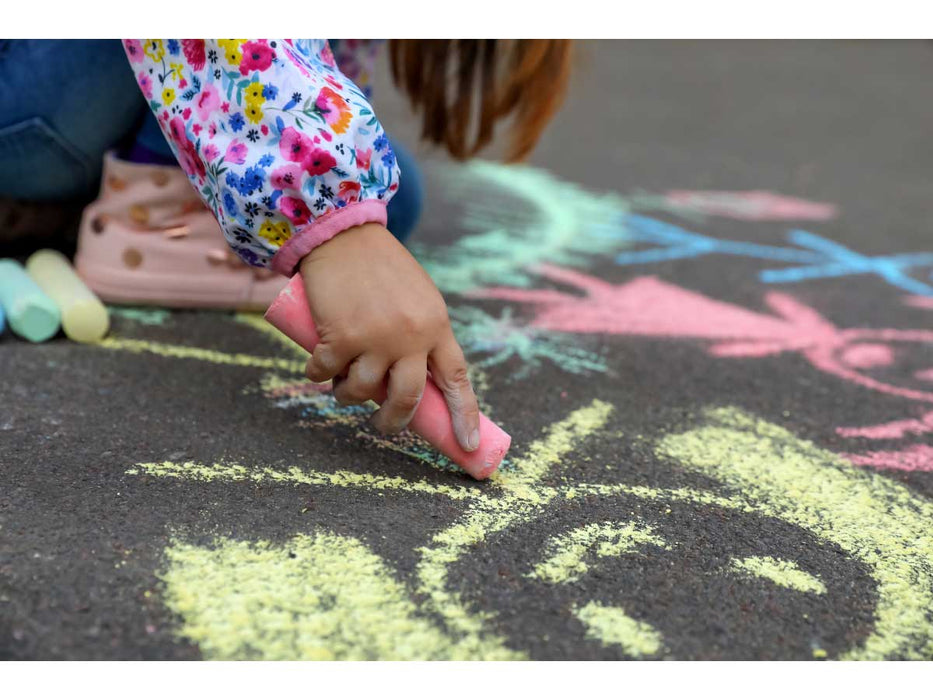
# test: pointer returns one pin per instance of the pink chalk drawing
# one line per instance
(893, 430)
(754, 205)
(920, 302)
(916, 458)
(649, 307)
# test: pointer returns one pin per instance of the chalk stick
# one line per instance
(291, 314)
(84, 317)
(29, 310)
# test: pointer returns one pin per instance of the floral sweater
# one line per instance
(281, 145)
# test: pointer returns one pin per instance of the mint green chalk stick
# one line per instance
(30, 313)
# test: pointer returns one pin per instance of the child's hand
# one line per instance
(381, 319)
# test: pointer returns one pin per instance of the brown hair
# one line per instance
(524, 78)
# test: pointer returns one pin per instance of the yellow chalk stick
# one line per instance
(84, 317)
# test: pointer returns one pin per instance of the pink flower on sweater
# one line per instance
(211, 151)
(236, 153)
(288, 177)
(134, 50)
(295, 210)
(257, 55)
(188, 157)
(294, 145)
(145, 84)
(319, 162)
(363, 157)
(207, 102)
(194, 52)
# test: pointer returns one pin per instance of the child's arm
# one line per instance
(287, 153)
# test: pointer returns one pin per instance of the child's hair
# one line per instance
(526, 78)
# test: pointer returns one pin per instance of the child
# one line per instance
(286, 153)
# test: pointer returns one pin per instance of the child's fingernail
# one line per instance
(473, 441)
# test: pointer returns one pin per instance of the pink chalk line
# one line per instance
(649, 307)
(891, 431)
(916, 458)
(755, 205)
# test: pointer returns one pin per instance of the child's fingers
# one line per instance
(407, 378)
(449, 372)
(325, 363)
(364, 381)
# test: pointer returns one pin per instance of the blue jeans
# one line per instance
(64, 103)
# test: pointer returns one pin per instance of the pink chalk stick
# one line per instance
(291, 315)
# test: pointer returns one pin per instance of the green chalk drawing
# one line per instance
(147, 316)
(569, 552)
(522, 216)
(488, 341)
(610, 625)
(783, 573)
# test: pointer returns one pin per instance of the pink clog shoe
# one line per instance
(148, 239)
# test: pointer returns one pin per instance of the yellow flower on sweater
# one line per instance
(168, 96)
(253, 94)
(276, 233)
(254, 112)
(177, 68)
(155, 49)
(231, 49)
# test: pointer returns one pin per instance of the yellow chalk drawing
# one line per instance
(194, 471)
(874, 519)
(320, 597)
(763, 470)
(258, 323)
(610, 625)
(783, 573)
(194, 353)
(569, 551)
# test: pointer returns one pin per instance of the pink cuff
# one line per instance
(369, 211)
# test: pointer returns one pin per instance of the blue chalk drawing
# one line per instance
(840, 261)
(679, 243)
(816, 257)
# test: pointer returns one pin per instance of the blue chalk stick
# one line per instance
(32, 314)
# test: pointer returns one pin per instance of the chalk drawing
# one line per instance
(568, 553)
(195, 353)
(763, 468)
(753, 205)
(145, 316)
(489, 341)
(842, 262)
(816, 257)
(316, 597)
(518, 216)
(874, 519)
(916, 458)
(783, 573)
(612, 626)
(893, 430)
(649, 307)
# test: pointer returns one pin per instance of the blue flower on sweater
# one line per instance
(173, 46)
(267, 160)
(381, 143)
(270, 92)
(237, 122)
(230, 204)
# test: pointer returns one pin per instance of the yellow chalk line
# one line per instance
(191, 353)
(195, 471)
